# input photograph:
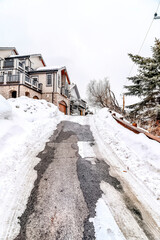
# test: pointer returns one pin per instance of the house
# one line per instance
(77, 105)
(55, 82)
(27, 75)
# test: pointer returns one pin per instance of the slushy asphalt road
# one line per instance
(67, 189)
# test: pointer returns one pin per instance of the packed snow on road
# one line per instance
(27, 124)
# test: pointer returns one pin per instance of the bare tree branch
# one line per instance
(100, 94)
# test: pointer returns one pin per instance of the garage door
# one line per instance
(63, 107)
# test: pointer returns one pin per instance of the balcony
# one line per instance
(33, 83)
(13, 79)
(1, 79)
(82, 104)
(8, 64)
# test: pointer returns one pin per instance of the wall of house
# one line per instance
(21, 90)
(47, 96)
(6, 90)
(32, 93)
(6, 53)
(36, 62)
(42, 78)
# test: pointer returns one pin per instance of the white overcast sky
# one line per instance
(90, 37)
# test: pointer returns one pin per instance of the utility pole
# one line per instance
(123, 102)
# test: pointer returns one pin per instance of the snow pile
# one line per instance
(5, 108)
(139, 154)
(31, 109)
(22, 137)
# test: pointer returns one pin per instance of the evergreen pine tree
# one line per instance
(146, 84)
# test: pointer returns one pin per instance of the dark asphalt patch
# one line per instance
(90, 177)
(47, 157)
(83, 132)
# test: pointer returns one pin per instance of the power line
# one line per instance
(158, 6)
(142, 44)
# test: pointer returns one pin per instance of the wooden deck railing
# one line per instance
(135, 129)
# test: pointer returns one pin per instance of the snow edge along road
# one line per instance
(132, 186)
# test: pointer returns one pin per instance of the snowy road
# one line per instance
(76, 197)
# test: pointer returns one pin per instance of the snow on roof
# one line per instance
(25, 55)
(50, 68)
(18, 56)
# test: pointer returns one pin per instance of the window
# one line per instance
(21, 64)
(8, 63)
(35, 80)
(49, 80)
(9, 76)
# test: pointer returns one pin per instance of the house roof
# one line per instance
(46, 69)
(9, 48)
(28, 56)
(51, 69)
(74, 86)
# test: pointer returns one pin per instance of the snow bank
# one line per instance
(31, 109)
(22, 137)
(140, 154)
(5, 108)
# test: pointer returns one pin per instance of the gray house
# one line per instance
(77, 105)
